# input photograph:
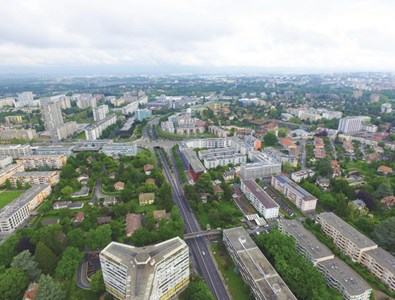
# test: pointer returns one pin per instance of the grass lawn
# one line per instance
(203, 219)
(7, 197)
(236, 285)
(146, 208)
(81, 136)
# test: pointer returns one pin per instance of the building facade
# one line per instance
(35, 178)
(142, 114)
(15, 151)
(120, 149)
(94, 131)
(5, 160)
(100, 112)
(40, 161)
(8, 171)
(154, 272)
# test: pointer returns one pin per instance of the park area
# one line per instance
(7, 197)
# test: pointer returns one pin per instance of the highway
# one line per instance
(197, 246)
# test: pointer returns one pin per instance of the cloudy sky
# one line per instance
(284, 34)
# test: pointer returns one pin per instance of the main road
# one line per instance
(198, 245)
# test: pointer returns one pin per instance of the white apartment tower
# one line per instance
(100, 112)
(154, 272)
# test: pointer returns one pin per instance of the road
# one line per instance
(198, 246)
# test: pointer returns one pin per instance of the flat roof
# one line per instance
(259, 268)
(141, 261)
(194, 161)
(306, 239)
(260, 194)
(36, 173)
(347, 230)
(383, 258)
(296, 189)
(9, 167)
(348, 278)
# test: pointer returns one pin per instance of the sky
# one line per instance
(330, 35)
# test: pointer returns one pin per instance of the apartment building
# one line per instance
(208, 143)
(340, 276)
(86, 100)
(350, 241)
(9, 134)
(35, 178)
(8, 171)
(262, 202)
(153, 272)
(213, 161)
(15, 150)
(142, 114)
(5, 160)
(300, 197)
(351, 124)
(17, 212)
(255, 269)
(7, 102)
(94, 131)
(306, 242)
(218, 131)
(14, 119)
(100, 112)
(303, 174)
(280, 156)
(381, 264)
(40, 161)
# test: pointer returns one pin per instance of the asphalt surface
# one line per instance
(197, 246)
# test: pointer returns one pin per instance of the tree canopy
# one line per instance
(27, 263)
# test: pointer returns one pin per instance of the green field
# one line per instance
(8, 197)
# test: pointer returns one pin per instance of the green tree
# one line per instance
(13, 282)
(8, 249)
(100, 237)
(8, 184)
(165, 197)
(45, 258)
(324, 167)
(97, 282)
(27, 263)
(48, 289)
(282, 132)
(18, 185)
(75, 238)
(67, 191)
(68, 263)
(197, 290)
(384, 190)
(287, 167)
(311, 188)
(385, 234)
(204, 184)
(270, 139)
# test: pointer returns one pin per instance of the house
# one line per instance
(159, 214)
(82, 193)
(111, 175)
(83, 178)
(146, 198)
(150, 180)
(348, 147)
(110, 200)
(31, 292)
(61, 204)
(119, 186)
(359, 204)
(388, 201)
(385, 170)
(148, 168)
(218, 191)
(335, 168)
(78, 218)
(230, 175)
(204, 197)
(90, 159)
(323, 182)
(133, 222)
(103, 220)
(76, 205)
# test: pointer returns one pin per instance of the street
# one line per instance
(197, 246)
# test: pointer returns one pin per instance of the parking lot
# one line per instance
(279, 200)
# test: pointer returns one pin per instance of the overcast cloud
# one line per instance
(312, 34)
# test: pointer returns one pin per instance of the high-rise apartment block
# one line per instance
(86, 100)
(94, 131)
(15, 151)
(352, 124)
(100, 112)
(142, 114)
(154, 272)
(25, 99)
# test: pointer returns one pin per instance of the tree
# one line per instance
(27, 263)
(97, 282)
(204, 184)
(25, 244)
(13, 282)
(282, 132)
(324, 167)
(18, 185)
(75, 238)
(68, 263)
(367, 198)
(100, 237)
(67, 191)
(165, 197)
(311, 188)
(385, 234)
(45, 258)
(48, 289)
(328, 201)
(197, 290)
(8, 249)
(287, 167)
(384, 190)
(270, 139)
(8, 184)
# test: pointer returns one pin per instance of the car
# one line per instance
(204, 253)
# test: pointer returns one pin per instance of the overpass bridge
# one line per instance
(215, 232)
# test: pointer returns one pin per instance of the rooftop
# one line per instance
(194, 161)
(347, 230)
(348, 278)
(383, 258)
(260, 194)
(37, 173)
(296, 189)
(269, 283)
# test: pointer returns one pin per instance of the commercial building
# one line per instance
(8, 171)
(154, 272)
(340, 276)
(35, 178)
(195, 166)
(100, 112)
(94, 131)
(306, 242)
(142, 114)
(255, 269)
(15, 213)
(5, 160)
(127, 128)
(349, 240)
(15, 150)
(40, 161)
(300, 197)
(9, 134)
(120, 149)
(262, 202)
(14, 119)
(54, 150)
